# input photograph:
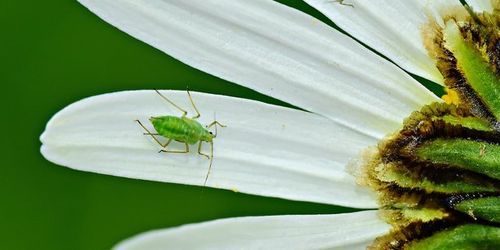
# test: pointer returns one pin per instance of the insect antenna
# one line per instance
(210, 164)
(184, 112)
(215, 119)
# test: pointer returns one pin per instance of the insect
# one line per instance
(183, 129)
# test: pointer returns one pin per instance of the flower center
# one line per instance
(438, 178)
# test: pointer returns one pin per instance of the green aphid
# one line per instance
(183, 129)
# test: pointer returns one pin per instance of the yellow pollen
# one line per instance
(451, 97)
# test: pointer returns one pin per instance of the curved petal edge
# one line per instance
(339, 231)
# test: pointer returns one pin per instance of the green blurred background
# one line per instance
(54, 53)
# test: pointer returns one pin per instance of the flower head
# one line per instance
(353, 98)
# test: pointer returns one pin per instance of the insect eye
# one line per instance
(210, 133)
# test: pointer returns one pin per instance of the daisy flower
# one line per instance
(350, 99)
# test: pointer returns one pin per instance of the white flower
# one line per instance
(353, 98)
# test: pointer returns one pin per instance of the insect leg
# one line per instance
(184, 112)
(215, 123)
(175, 151)
(199, 151)
(210, 164)
(194, 106)
(341, 2)
(153, 135)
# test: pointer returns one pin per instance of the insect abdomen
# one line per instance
(179, 129)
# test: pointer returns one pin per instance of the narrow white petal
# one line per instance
(277, 51)
(393, 28)
(481, 5)
(339, 231)
(265, 150)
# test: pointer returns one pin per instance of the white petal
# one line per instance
(393, 28)
(481, 5)
(265, 150)
(278, 51)
(339, 231)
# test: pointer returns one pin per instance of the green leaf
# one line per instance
(404, 179)
(476, 156)
(477, 71)
(468, 122)
(487, 208)
(465, 237)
